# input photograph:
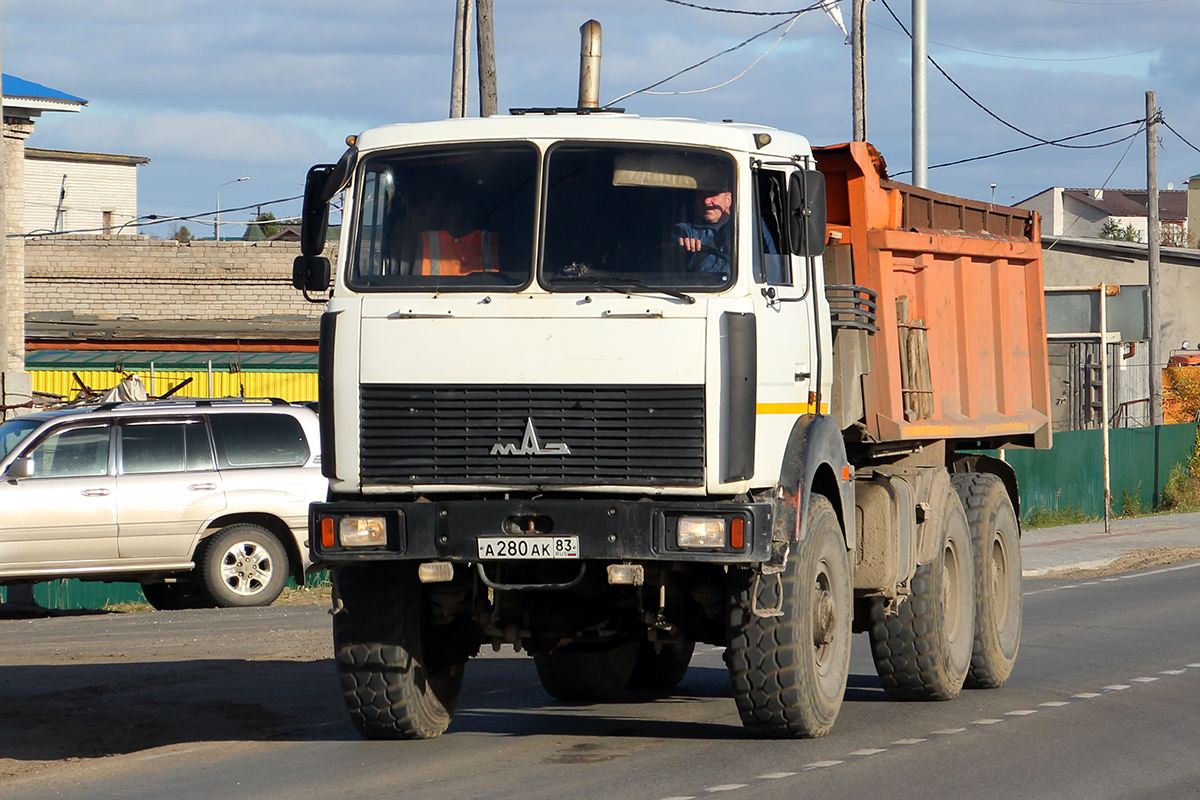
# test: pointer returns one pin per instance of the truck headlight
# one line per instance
(362, 531)
(700, 532)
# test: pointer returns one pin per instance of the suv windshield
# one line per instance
(13, 432)
(638, 218)
(445, 219)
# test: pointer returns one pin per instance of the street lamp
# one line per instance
(217, 224)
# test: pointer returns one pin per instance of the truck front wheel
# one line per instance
(996, 539)
(922, 648)
(789, 671)
(394, 684)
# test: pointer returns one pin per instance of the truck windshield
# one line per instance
(446, 219)
(650, 217)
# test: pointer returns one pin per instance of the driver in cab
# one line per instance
(708, 239)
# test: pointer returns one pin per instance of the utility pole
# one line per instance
(858, 56)
(460, 76)
(1153, 235)
(920, 102)
(487, 58)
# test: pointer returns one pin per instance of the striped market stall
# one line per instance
(289, 376)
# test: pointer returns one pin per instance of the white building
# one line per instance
(1084, 212)
(92, 193)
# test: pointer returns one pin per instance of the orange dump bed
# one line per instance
(960, 351)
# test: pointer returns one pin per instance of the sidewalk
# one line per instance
(1046, 552)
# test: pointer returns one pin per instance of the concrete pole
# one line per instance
(1104, 407)
(920, 104)
(589, 64)
(858, 56)
(1153, 235)
(487, 58)
(460, 74)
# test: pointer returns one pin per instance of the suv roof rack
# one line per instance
(205, 402)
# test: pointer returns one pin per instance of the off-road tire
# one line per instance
(176, 596)
(922, 649)
(657, 670)
(789, 672)
(243, 565)
(392, 688)
(996, 541)
(587, 674)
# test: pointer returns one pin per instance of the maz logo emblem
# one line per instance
(530, 446)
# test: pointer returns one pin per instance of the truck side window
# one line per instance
(772, 265)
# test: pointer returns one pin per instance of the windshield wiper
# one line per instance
(623, 285)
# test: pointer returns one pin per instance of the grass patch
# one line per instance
(1055, 517)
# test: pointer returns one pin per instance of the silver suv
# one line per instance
(205, 502)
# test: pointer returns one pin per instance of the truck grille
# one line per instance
(518, 435)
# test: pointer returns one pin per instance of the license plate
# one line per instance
(529, 547)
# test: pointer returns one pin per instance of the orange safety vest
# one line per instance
(442, 254)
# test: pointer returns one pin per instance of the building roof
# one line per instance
(1172, 203)
(21, 93)
(87, 158)
(1122, 251)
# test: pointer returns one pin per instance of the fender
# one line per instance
(814, 461)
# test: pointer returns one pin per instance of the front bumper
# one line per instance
(608, 529)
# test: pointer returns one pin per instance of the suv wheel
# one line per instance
(244, 565)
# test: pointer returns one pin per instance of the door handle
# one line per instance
(95, 492)
(203, 487)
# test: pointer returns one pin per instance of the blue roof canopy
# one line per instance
(19, 87)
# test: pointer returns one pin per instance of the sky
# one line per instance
(215, 90)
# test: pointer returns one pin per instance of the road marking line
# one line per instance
(870, 751)
(823, 764)
(909, 741)
(727, 787)
(1172, 672)
(1193, 666)
(1144, 680)
(1024, 712)
(684, 797)
(1086, 695)
(1117, 687)
(949, 731)
(986, 721)
(774, 776)
(1054, 704)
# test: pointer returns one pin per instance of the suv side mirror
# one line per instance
(806, 213)
(20, 468)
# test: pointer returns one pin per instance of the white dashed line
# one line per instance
(986, 721)
(949, 731)
(1117, 687)
(1054, 704)
(684, 797)
(909, 741)
(1144, 680)
(1023, 712)
(870, 751)
(774, 776)
(823, 764)
(1087, 695)
(1172, 672)
(726, 787)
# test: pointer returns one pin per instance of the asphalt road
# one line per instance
(1103, 704)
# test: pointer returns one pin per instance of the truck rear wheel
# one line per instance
(660, 669)
(922, 649)
(789, 672)
(996, 539)
(393, 685)
(587, 674)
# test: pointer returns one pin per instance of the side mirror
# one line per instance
(19, 469)
(806, 213)
(310, 273)
(314, 218)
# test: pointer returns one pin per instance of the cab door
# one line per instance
(783, 312)
(65, 513)
(168, 485)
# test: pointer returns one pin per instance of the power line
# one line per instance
(154, 220)
(1043, 144)
(741, 12)
(1177, 133)
(726, 51)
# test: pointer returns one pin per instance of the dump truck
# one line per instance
(602, 387)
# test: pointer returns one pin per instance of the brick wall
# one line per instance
(110, 277)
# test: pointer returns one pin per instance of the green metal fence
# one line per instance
(1071, 474)
(70, 594)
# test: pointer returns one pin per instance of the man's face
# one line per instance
(715, 206)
